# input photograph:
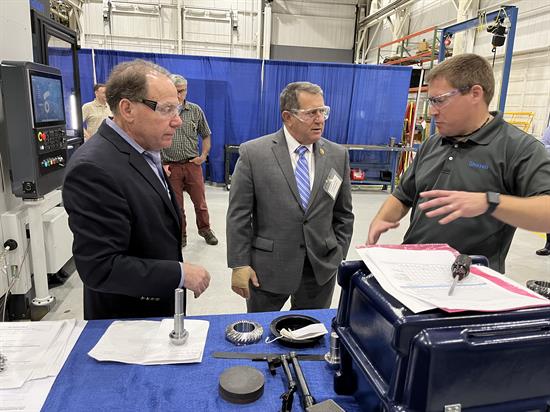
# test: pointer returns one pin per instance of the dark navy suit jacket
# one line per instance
(127, 236)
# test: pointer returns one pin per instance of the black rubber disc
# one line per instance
(241, 384)
(293, 322)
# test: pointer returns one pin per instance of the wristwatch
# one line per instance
(493, 198)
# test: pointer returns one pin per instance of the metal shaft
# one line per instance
(179, 322)
(179, 335)
(333, 356)
(307, 399)
(453, 285)
(286, 368)
(288, 396)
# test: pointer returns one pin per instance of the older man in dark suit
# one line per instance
(290, 220)
(122, 211)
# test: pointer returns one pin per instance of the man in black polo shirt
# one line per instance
(477, 179)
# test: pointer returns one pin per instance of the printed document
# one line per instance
(419, 276)
(32, 394)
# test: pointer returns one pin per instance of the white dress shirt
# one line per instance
(293, 144)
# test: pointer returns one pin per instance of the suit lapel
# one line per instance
(137, 161)
(319, 152)
(280, 150)
(140, 164)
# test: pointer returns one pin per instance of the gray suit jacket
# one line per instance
(267, 227)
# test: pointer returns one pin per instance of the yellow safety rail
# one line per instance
(521, 120)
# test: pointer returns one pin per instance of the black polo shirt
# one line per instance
(497, 158)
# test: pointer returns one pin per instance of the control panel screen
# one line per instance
(47, 99)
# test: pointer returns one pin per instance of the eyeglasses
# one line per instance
(311, 114)
(168, 110)
(444, 99)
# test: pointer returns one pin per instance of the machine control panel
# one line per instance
(51, 146)
(53, 139)
(34, 124)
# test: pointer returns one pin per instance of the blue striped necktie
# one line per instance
(302, 175)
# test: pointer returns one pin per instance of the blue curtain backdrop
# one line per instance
(336, 80)
(367, 102)
(227, 89)
(62, 59)
(86, 70)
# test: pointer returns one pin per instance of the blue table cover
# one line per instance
(85, 384)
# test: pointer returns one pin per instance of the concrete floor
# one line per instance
(522, 263)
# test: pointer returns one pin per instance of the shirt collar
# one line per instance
(129, 140)
(292, 143)
(483, 136)
(97, 103)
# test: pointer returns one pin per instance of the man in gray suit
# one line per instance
(290, 220)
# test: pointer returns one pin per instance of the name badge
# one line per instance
(332, 184)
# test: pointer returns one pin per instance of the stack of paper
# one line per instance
(148, 343)
(22, 343)
(419, 276)
(34, 350)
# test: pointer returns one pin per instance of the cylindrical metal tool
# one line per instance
(179, 335)
(307, 399)
(288, 396)
(333, 356)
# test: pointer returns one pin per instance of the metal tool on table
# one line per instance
(244, 332)
(265, 356)
(333, 355)
(308, 402)
(3, 362)
(179, 335)
(288, 396)
(459, 269)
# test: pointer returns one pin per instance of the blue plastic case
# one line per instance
(396, 360)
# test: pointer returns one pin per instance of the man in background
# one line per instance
(122, 211)
(477, 179)
(182, 162)
(94, 112)
(290, 220)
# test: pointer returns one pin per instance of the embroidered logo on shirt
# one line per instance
(476, 165)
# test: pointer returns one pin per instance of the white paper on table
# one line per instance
(52, 361)
(148, 343)
(32, 395)
(25, 344)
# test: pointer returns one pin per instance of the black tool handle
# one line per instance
(307, 399)
(286, 369)
(288, 396)
(461, 266)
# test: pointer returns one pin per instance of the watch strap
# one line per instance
(493, 199)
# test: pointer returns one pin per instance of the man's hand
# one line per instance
(240, 278)
(198, 160)
(377, 227)
(167, 170)
(197, 278)
(453, 204)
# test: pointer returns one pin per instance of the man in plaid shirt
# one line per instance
(182, 162)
